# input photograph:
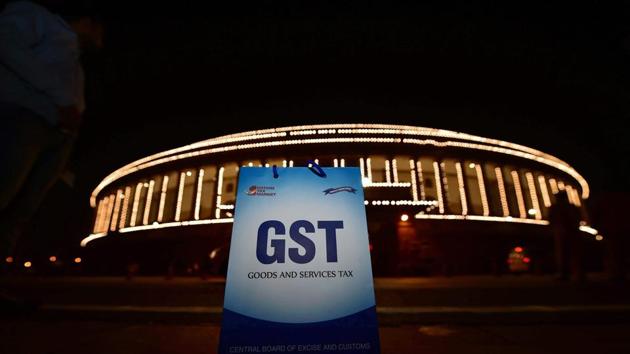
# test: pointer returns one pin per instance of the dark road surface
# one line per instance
(416, 315)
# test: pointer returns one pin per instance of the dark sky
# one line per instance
(553, 77)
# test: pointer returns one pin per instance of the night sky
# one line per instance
(549, 77)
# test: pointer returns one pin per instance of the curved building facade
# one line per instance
(437, 201)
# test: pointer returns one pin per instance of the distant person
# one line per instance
(41, 103)
(565, 222)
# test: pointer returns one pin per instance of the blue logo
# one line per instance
(339, 189)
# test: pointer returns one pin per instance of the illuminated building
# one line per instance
(465, 200)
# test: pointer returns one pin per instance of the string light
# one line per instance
(162, 199)
(481, 218)
(176, 224)
(362, 168)
(445, 190)
(336, 163)
(438, 183)
(110, 211)
(545, 193)
(532, 192)
(414, 184)
(217, 211)
(136, 201)
(368, 166)
(554, 186)
(482, 190)
(119, 197)
(423, 195)
(388, 177)
(343, 162)
(375, 129)
(462, 189)
(99, 216)
(198, 196)
(519, 195)
(125, 207)
(147, 205)
(502, 193)
(395, 170)
(180, 195)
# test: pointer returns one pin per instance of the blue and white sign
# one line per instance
(299, 275)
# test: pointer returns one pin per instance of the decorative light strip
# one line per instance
(561, 185)
(217, 210)
(343, 162)
(462, 188)
(99, 217)
(123, 213)
(445, 190)
(386, 184)
(119, 197)
(362, 168)
(198, 197)
(438, 184)
(414, 184)
(136, 201)
(545, 192)
(588, 229)
(290, 163)
(284, 163)
(226, 206)
(423, 195)
(368, 167)
(532, 192)
(335, 163)
(554, 186)
(176, 224)
(482, 190)
(180, 195)
(519, 195)
(388, 172)
(482, 218)
(110, 211)
(147, 205)
(404, 202)
(341, 129)
(502, 193)
(162, 199)
(92, 237)
(573, 196)
(395, 170)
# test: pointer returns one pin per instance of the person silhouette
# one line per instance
(565, 222)
(41, 104)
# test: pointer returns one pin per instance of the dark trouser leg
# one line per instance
(47, 151)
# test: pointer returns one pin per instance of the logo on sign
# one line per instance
(268, 191)
(339, 189)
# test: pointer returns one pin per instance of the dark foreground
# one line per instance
(417, 315)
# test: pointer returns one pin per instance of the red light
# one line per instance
(526, 260)
(518, 249)
(371, 247)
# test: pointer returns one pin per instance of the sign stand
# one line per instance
(299, 275)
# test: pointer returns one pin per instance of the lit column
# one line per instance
(438, 184)
(502, 193)
(136, 201)
(532, 193)
(198, 196)
(119, 197)
(545, 192)
(147, 205)
(423, 195)
(110, 211)
(388, 172)
(217, 211)
(482, 190)
(180, 195)
(414, 184)
(462, 188)
(162, 199)
(554, 186)
(125, 207)
(395, 170)
(519, 195)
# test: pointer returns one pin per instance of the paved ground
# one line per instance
(417, 315)
(63, 337)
